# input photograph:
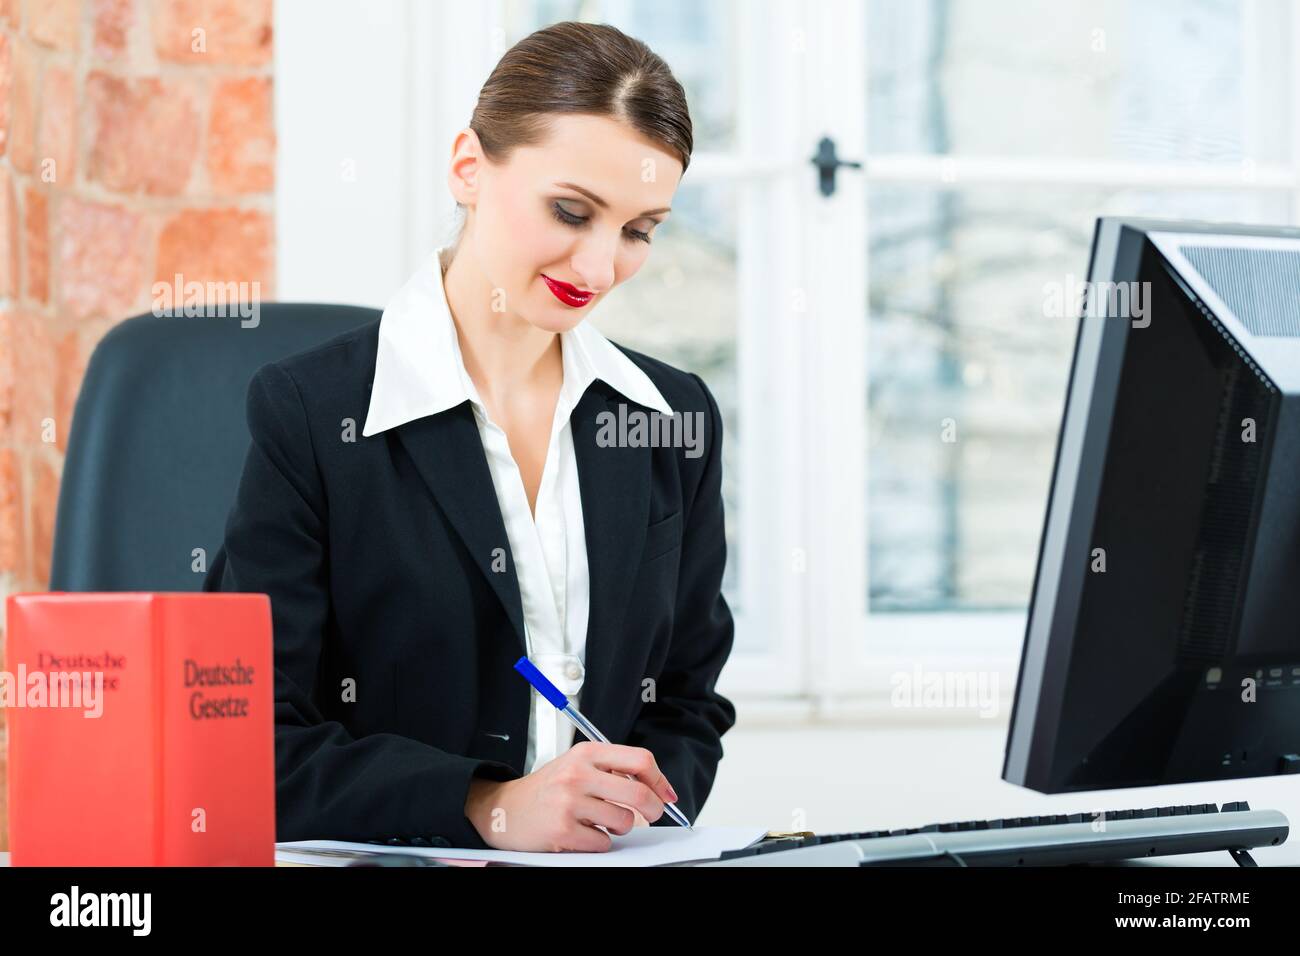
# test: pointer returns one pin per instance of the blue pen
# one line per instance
(553, 694)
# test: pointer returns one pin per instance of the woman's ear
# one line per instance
(466, 164)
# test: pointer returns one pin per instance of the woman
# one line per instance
(482, 513)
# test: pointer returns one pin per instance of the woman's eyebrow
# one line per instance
(604, 205)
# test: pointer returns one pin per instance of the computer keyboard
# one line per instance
(1050, 839)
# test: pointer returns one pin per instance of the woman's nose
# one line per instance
(594, 265)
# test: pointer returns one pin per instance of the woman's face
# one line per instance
(580, 209)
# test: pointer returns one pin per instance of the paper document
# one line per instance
(642, 846)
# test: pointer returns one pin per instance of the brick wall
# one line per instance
(136, 142)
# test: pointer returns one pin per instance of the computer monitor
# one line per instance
(1163, 639)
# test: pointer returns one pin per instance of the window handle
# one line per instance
(827, 163)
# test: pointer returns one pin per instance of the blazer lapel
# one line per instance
(448, 453)
(614, 484)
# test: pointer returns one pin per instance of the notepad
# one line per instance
(641, 846)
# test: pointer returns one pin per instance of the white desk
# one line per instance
(833, 779)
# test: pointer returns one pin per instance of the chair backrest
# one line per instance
(159, 438)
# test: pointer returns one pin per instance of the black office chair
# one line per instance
(158, 442)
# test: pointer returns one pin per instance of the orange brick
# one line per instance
(57, 136)
(36, 281)
(145, 134)
(44, 504)
(6, 85)
(8, 236)
(11, 517)
(6, 375)
(241, 136)
(213, 31)
(55, 23)
(113, 20)
(101, 253)
(217, 245)
(29, 378)
(22, 105)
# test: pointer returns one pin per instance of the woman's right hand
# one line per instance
(561, 805)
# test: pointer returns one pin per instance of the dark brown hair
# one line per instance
(573, 67)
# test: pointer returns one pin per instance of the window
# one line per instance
(997, 133)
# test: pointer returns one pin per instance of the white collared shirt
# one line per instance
(419, 371)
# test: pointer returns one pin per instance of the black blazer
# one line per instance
(377, 556)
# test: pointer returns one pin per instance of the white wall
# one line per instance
(368, 97)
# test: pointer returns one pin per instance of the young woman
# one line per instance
(436, 494)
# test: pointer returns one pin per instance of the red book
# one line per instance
(141, 729)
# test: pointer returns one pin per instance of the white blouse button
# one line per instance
(565, 671)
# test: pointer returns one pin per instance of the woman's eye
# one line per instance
(569, 219)
(566, 217)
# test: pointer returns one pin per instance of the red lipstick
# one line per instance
(570, 295)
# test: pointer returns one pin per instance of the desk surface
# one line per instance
(890, 776)
(1286, 855)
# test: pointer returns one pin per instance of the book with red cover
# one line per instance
(177, 768)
